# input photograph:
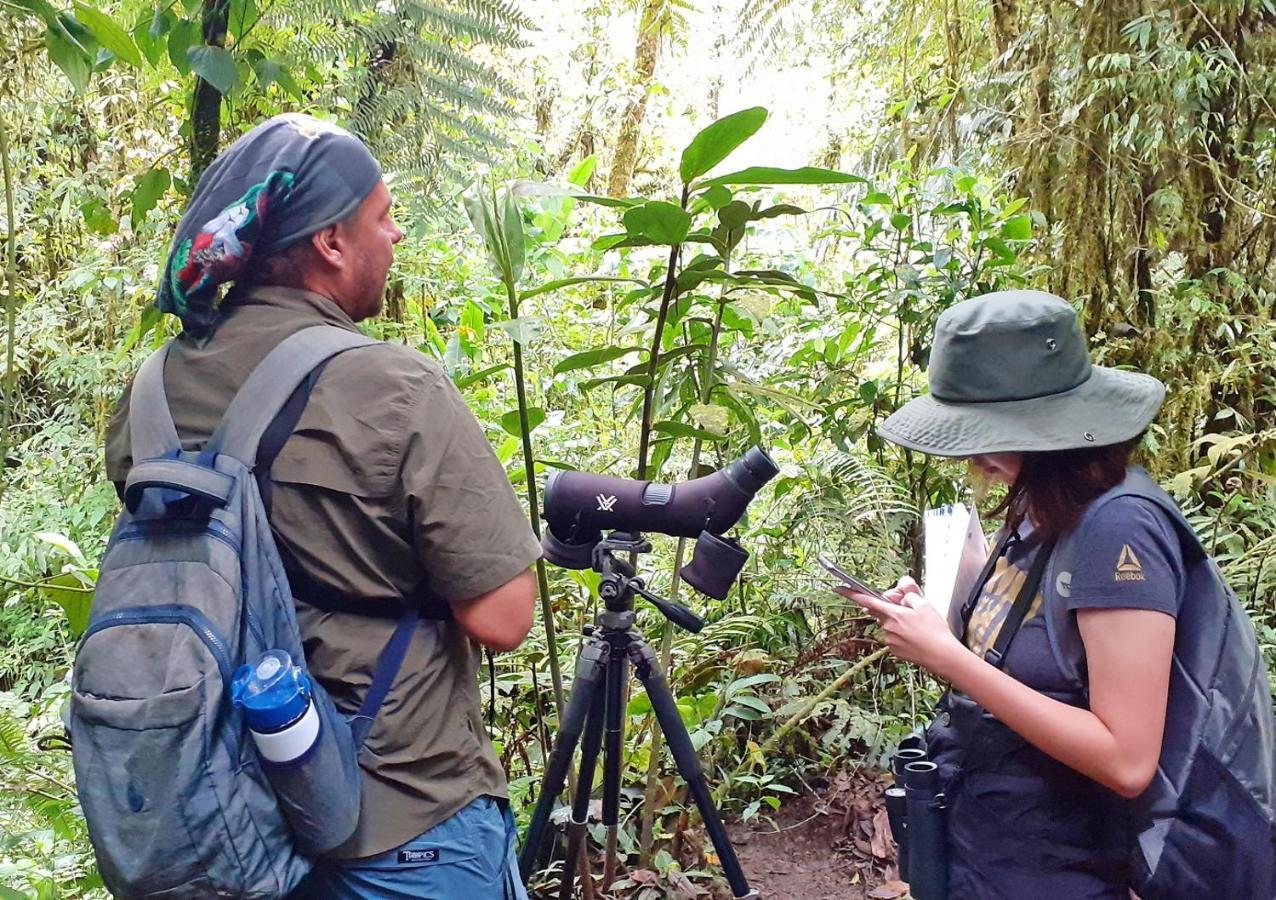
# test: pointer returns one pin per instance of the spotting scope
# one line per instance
(579, 506)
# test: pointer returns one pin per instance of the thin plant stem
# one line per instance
(533, 507)
(10, 303)
(653, 362)
(647, 839)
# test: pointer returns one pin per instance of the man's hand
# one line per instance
(499, 619)
(914, 631)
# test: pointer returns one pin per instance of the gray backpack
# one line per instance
(191, 587)
(1204, 827)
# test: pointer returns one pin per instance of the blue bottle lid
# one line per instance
(272, 691)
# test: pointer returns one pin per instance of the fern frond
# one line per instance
(498, 12)
(460, 25)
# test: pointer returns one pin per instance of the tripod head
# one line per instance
(620, 582)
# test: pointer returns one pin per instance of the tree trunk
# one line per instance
(646, 54)
(206, 106)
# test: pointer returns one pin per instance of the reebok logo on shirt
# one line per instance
(1128, 566)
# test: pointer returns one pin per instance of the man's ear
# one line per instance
(329, 243)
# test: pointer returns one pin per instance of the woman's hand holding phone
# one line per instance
(914, 630)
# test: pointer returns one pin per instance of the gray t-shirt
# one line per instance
(1132, 560)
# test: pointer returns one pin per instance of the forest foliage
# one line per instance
(612, 299)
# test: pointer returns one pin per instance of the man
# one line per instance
(386, 491)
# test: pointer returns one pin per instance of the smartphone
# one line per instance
(849, 578)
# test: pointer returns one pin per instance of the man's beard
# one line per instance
(371, 290)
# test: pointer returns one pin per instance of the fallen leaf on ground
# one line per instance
(880, 843)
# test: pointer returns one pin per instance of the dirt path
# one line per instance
(834, 845)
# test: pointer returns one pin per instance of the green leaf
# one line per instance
(480, 205)
(149, 188)
(216, 66)
(682, 429)
(523, 329)
(63, 543)
(616, 380)
(69, 592)
(754, 703)
(716, 142)
(8, 893)
(513, 424)
(475, 377)
(568, 282)
(267, 72)
(1017, 228)
(512, 231)
(40, 8)
(780, 209)
(717, 196)
(735, 214)
(619, 241)
(285, 80)
(613, 202)
(659, 221)
(150, 35)
(98, 218)
(589, 358)
(109, 35)
(750, 681)
(185, 33)
(580, 175)
(762, 175)
(146, 322)
(69, 56)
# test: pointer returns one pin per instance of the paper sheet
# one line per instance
(954, 552)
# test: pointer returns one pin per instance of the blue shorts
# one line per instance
(470, 855)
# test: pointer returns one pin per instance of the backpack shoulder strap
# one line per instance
(423, 602)
(152, 433)
(270, 385)
(1065, 638)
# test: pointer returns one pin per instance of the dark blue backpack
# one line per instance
(1205, 826)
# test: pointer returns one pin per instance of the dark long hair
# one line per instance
(1055, 488)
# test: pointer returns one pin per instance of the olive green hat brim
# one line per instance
(1109, 407)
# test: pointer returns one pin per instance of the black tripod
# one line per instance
(596, 707)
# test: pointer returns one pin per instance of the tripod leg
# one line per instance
(589, 748)
(590, 667)
(665, 707)
(613, 755)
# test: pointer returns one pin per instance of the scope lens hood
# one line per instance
(717, 562)
(565, 555)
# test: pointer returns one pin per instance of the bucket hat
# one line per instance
(1009, 372)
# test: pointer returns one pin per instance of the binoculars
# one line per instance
(914, 806)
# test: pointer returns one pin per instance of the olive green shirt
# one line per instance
(387, 481)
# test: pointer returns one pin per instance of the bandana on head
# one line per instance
(281, 182)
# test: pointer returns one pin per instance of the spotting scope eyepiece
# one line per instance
(579, 506)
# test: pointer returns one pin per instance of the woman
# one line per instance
(1061, 677)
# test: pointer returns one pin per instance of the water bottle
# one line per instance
(275, 696)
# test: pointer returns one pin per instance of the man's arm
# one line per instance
(499, 619)
(471, 534)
